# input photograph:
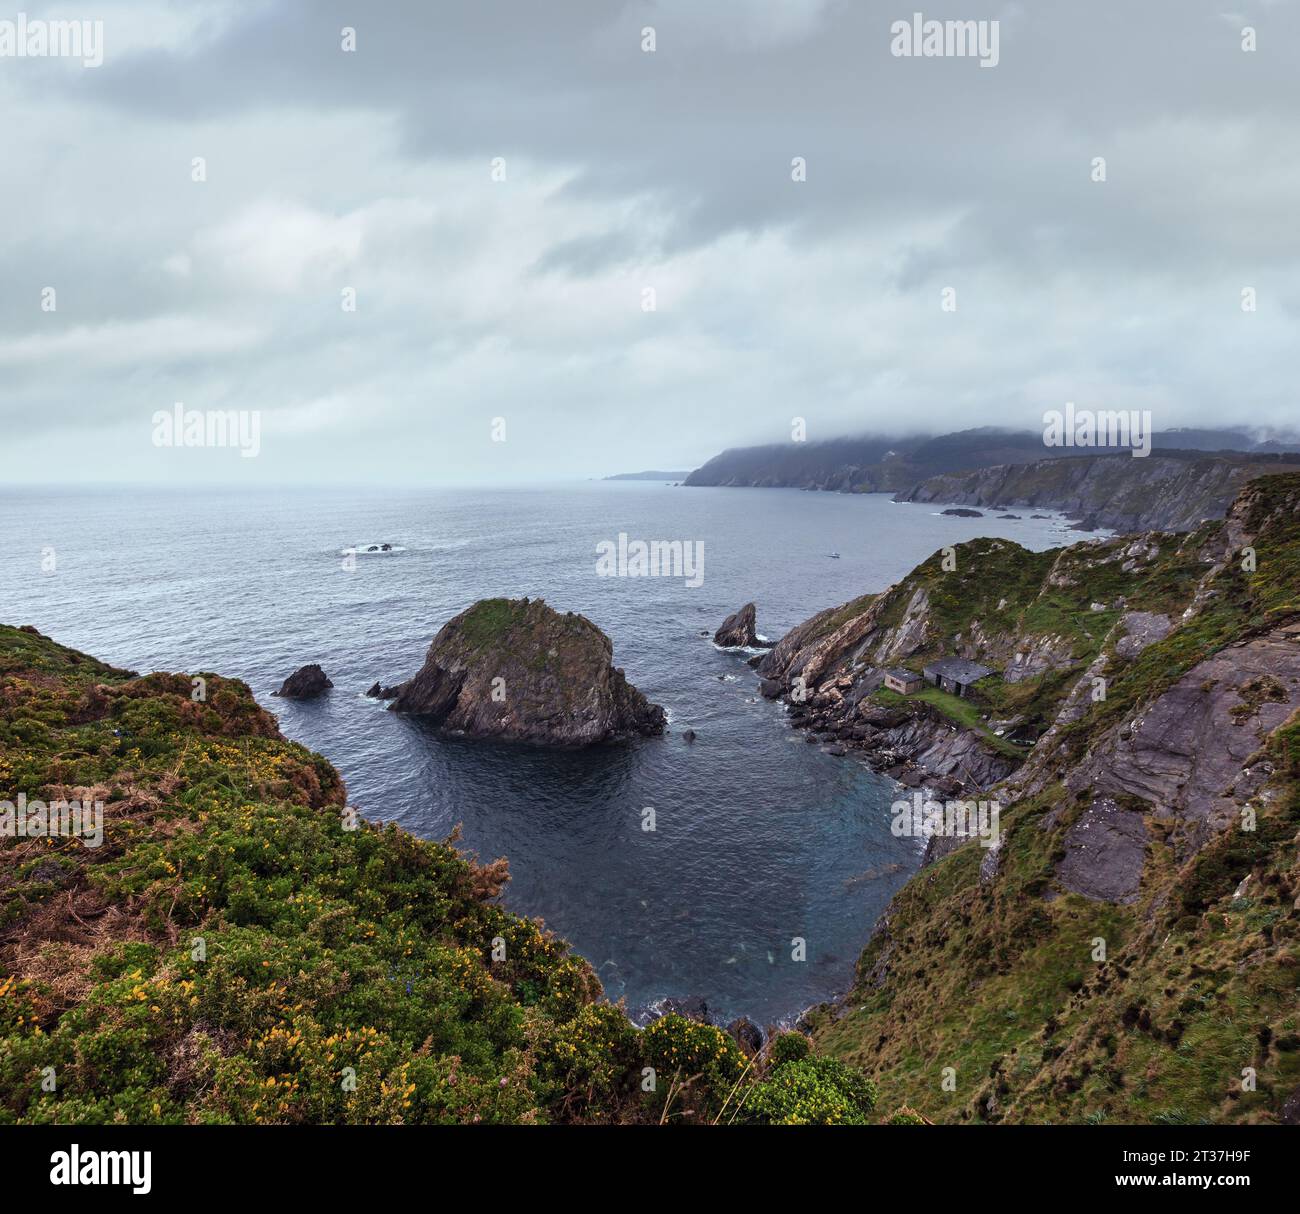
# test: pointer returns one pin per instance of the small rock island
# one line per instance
(517, 670)
(306, 683)
(740, 629)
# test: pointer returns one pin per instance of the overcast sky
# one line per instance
(524, 298)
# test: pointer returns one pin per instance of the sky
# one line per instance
(573, 256)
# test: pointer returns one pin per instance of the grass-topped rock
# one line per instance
(517, 670)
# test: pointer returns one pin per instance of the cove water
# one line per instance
(760, 838)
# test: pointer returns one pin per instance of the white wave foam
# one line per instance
(372, 550)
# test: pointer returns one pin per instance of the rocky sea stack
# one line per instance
(517, 670)
(739, 628)
(306, 683)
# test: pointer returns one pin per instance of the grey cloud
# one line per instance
(584, 255)
(669, 170)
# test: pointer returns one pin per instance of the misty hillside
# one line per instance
(876, 464)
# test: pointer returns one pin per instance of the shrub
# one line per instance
(904, 1115)
(789, 1047)
(811, 1091)
(685, 1052)
(589, 1066)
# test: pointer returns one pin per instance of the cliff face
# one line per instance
(517, 670)
(1167, 492)
(1130, 951)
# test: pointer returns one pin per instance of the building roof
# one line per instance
(957, 669)
(897, 672)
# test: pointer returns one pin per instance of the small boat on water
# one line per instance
(835, 556)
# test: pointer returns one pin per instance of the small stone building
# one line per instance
(955, 675)
(903, 681)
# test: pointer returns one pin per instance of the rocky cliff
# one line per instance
(516, 670)
(1037, 619)
(1169, 491)
(1130, 949)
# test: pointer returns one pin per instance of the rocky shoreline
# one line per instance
(916, 745)
(1169, 491)
(911, 742)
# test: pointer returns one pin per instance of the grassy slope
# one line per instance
(999, 983)
(960, 711)
(233, 953)
(1007, 592)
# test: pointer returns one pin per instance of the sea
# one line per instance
(771, 860)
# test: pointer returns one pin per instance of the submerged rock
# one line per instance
(738, 629)
(962, 512)
(517, 670)
(305, 684)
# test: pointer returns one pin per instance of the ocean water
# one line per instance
(761, 839)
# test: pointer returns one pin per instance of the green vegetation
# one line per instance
(524, 631)
(812, 1091)
(959, 710)
(790, 1047)
(484, 624)
(1000, 597)
(242, 949)
(1034, 703)
(1003, 986)
(1242, 602)
(997, 984)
